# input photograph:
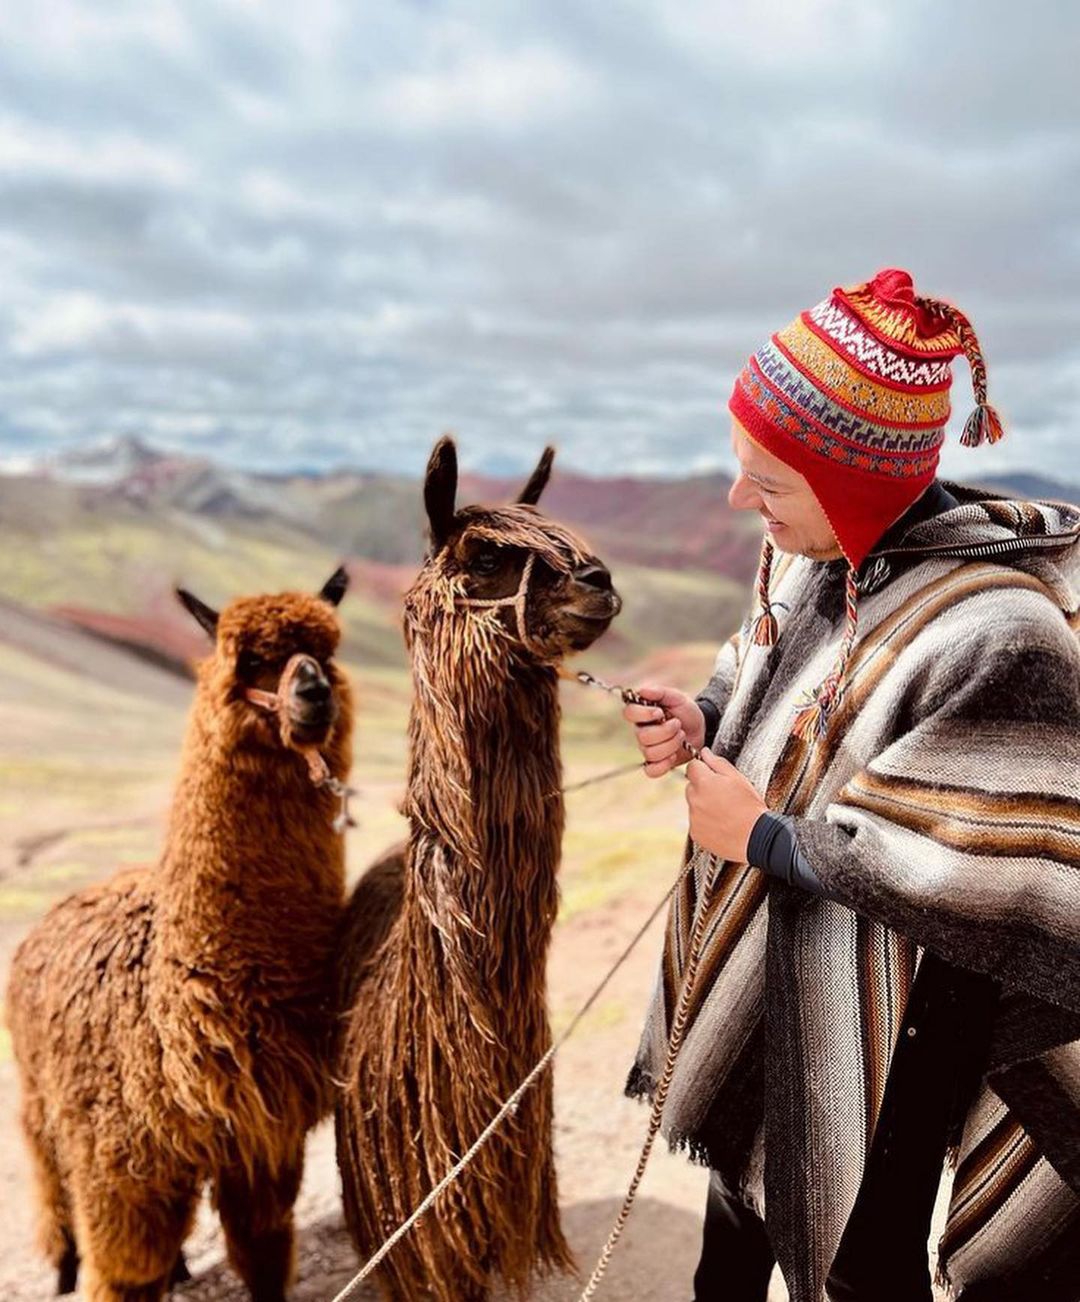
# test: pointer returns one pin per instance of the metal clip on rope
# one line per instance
(343, 819)
(628, 697)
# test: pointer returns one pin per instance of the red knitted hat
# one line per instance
(854, 395)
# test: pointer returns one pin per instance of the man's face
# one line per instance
(782, 497)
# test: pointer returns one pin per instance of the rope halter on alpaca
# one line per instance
(277, 704)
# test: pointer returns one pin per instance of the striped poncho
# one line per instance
(941, 810)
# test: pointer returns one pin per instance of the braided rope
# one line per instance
(765, 629)
(984, 423)
(675, 1039)
(969, 341)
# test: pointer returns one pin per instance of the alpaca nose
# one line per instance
(594, 576)
(312, 686)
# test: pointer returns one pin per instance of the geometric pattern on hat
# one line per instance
(867, 351)
(820, 403)
(812, 424)
(856, 389)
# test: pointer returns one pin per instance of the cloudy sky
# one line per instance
(305, 235)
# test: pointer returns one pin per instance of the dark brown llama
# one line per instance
(172, 1025)
(443, 960)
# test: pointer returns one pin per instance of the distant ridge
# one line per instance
(119, 458)
(670, 524)
(1030, 486)
(103, 534)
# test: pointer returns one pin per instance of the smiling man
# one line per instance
(891, 789)
(792, 514)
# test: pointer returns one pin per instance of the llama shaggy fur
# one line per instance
(443, 965)
(171, 1024)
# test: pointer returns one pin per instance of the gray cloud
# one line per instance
(301, 239)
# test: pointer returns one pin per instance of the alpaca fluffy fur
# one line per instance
(443, 965)
(171, 1024)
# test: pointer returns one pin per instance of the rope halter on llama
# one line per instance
(518, 601)
(277, 704)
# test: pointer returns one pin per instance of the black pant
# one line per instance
(884, 1253)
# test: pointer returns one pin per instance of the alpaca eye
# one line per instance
(249, 664)
(484, 563)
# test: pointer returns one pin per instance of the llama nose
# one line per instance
(594, 576)
(312, 686)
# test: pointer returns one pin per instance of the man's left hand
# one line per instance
(724, 806)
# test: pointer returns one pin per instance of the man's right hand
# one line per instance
(662, 742)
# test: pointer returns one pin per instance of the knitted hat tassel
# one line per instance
(984, 424)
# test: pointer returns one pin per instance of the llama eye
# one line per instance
(484, 563)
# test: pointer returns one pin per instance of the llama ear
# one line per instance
(335, 586)
(440, 490)
(530, 494)
(204, 615)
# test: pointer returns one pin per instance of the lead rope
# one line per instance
(700, 858)
(511, 1105)
(706, 862)
(626, 694)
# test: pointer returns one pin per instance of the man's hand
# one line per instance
(662, 741)
(724, 807)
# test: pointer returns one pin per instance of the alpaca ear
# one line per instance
(203, 614)
(440, 490)
(335, 586)
(530, 494)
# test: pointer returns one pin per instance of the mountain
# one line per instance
(105, 462)
(677, 524)
(99, 538)
(1034, 487)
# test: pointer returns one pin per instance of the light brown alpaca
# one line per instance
(443, 960)
(171, 1025)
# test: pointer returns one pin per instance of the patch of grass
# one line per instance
(607, 1013)
(599, 870)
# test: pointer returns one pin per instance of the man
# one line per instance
(890, 975)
